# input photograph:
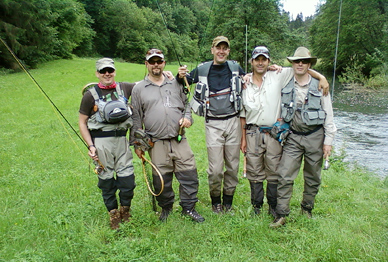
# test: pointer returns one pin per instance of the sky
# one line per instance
(307, 7)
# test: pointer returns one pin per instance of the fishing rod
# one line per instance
(180, 132)
(336, 49)
(41, 89)
(98, 168)
(179, 62)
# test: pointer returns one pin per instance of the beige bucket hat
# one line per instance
(302, 53)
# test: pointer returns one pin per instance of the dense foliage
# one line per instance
(43, 30)
(363, 38)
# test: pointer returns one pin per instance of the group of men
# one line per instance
(236, 118)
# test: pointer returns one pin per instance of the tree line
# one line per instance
(43, 30)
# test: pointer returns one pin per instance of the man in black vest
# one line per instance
(223, 129)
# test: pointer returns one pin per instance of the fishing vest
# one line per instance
(221, 104)
(110, 113)
(311, 110)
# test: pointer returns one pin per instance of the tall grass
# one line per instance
(52, 209)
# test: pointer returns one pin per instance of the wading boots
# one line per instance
(278, 222)
(165, 213)
(193, 215)
(115, 218)
(125, 213)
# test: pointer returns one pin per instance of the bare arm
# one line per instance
(323, 84)
(243, 145)
(83, 128)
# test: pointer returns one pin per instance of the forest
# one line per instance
(38, 31)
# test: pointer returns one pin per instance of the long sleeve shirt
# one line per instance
(159, 108)
(261, 104)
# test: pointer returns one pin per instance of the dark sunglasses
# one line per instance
(304, 61)
(260, 50)
(110, 70)
(152, 62)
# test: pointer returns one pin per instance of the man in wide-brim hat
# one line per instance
(312, 130)
(302, 53)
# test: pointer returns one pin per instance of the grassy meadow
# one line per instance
(52, 209)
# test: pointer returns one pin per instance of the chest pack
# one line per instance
(108, 110)
(311, 109)
(220, 104)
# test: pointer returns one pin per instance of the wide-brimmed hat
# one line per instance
(260, 50)
(302, 53)
(104, 63)
(219, 39)
(154, 52)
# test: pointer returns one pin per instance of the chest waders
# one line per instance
(222, 104)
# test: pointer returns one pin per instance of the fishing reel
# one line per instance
(143, 140)
(98, 169)
(326, 166)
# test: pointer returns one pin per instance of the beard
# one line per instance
(156, 72)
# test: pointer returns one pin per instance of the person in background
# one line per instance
(161, 108)
(217, 98)
(312, 130)
(104, 120)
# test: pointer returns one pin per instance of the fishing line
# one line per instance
(177, 57)
(57, 111)
(168, 31)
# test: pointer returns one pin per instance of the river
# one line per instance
(362, 123)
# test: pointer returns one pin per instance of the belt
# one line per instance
(262, 129)
(306, 133)
(113, 133)
(221, 118)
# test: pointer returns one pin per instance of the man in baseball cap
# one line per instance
(105, 63)
(260, 50)
(154, 53)
(220, 39)
(223, 131)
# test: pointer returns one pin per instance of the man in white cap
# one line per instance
(160, 107)
(217, 98)
(261, 110)
(310, 115)
(104, 119)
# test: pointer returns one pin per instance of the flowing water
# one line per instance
(362, 123)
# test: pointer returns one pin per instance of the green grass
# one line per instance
(52, 209)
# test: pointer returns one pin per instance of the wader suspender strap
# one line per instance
(203, 70)
(203, 73)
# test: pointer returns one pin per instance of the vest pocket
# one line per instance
(313, 117)
(314, 99)
(221, 105)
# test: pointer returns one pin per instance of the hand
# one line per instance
(169, 75)
(93, 153)
(326, 151)
(324, 86)
(276, 68)
(184, 122)
(139, 153)
(182, 71)
(243, 146)
(246, 79)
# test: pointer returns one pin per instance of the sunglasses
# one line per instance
(152, 62)
(110, 70)
(260, 50)
(304, 61)
(154, 51)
